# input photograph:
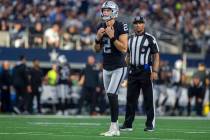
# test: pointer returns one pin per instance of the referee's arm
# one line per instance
(155, 66)
(155, 59)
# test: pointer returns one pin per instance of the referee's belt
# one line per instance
(145, 67)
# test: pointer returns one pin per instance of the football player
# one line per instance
(112, 38)
(63, 84)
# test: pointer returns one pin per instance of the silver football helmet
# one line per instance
(62, 60)
(109, 5)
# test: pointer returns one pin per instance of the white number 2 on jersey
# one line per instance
(125, 27)
(107, 45)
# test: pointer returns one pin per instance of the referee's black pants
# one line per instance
(137, 80)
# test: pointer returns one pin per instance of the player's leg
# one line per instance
(147, 90)
(62, 95)
(118, 76)
(164, 92)
(112, 80)
(65, 100)
(133, 92)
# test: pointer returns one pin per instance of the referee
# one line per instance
(143, 60)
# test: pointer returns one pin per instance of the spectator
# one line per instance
(4, 26)
(17, 35)
(171, 14)
(36, 35)
(52, 36)
(71, 39)
(87, 38)
(72, 19)
(5, 86)
(57, 14)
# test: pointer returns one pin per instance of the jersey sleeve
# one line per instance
(123, 28)
(154, 46)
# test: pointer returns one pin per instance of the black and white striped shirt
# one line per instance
(140, 48)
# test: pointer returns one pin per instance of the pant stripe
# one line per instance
(120, 80)
(153, 121)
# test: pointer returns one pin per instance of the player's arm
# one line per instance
(99, 36)
(122, 43)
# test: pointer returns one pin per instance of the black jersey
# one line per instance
(112, 57)
(64, 73)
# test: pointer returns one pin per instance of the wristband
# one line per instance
(113, 39)
(155, 71)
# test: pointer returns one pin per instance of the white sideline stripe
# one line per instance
(120, 137)
(101, 117)
(196, 132)
(59, 123)
(186, 129)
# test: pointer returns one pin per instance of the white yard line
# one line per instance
(186, 129)
(84, 136)
(196, 132)
(64, 123)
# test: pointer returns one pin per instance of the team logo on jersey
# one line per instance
(143, 50)
(146, 43)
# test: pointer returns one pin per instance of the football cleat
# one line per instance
(149, 129)
(125, 128)
(113, 131)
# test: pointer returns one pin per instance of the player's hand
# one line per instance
(110, 31)
(124, 84)
(154, 76)
(98, 89)
(29, 89)
(100, 33)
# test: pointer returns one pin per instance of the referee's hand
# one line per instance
(154, 76)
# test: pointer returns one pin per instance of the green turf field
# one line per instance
(89, 128)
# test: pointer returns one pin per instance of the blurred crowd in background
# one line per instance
(64, 91)
(70, 24)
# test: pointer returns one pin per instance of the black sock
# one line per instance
(113, 103)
